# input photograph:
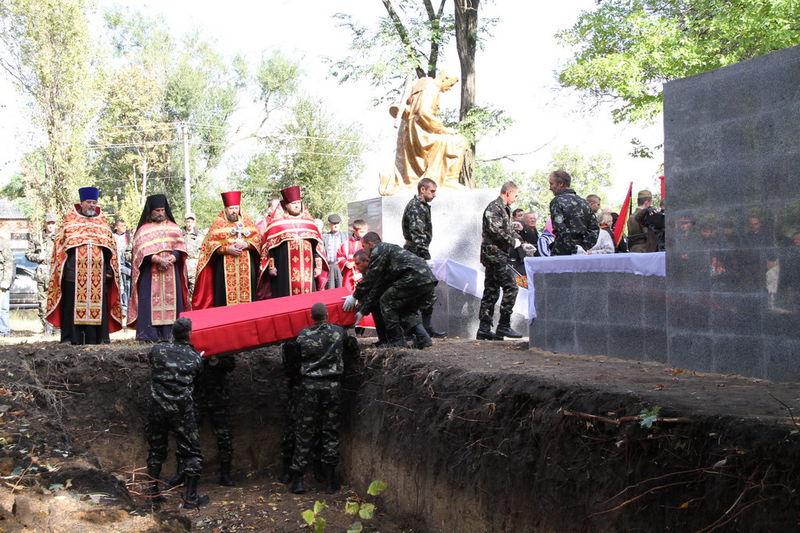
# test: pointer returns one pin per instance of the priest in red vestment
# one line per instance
(159, 288)
(293, 259)
(227, 269)
(344, 256)
(83, 292)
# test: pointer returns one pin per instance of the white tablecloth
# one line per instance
(653, 264)
(468, 280)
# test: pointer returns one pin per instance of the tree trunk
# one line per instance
(466, 19)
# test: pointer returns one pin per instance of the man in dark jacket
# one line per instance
(319, 396)
(499, 238)
(418, 232)
(574, 223)
(398, 284)
(175, 367)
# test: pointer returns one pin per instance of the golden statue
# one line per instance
(426, 148)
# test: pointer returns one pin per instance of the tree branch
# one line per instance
(403, 34)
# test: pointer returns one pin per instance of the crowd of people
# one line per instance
(94, 280)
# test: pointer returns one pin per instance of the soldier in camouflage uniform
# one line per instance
(174, 367)
(40, 251)
(212, 401)
(418, 232)
(398, 283)
(194, 241)
(290, 356)
(499, 238)
(318, 398)
(574, 222)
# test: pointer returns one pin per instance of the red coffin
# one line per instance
(240, 327)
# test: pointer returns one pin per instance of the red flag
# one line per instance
(622, 219)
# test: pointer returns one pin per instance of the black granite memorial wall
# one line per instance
(730, 302)
(732, 161)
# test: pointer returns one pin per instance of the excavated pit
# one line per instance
(469, 437)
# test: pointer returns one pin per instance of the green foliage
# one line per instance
(48, 57)
(625, 49)
(15, 188)
(379, 53)
(355, 527)
(482, 121)
(363, 509)
(277, 77)
(376, 487)
(649, 416)
(152, 83)
(311, 151)
(590, 175)
(312, 518)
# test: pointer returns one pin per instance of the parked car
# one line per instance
(23, 293)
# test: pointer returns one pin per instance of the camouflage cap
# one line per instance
(50, 217)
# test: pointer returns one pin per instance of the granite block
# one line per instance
(591, 338)
(456, 217)
(559, 303)
(561, 336)
(782, 360)
(627, 342)
(655, 344)
(687, 311)
(738, 354)
(626, 306)
(689, 350)
(732, 313)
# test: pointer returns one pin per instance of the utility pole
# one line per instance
(187, 180)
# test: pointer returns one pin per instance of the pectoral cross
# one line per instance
(239, 232)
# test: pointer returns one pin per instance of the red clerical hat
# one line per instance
(232, 198)
(291, 194)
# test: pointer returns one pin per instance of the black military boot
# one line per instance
(153, 491)
(331, 481)
(395, 337)
(225, 478)
(191, 499)
(421, 338)
(426, 323)
(178, 478)
(285, 476)
(297, 486)
(485, 333)
(504, 330)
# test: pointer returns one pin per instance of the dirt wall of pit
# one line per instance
(468, 450)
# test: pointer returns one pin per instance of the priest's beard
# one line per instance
(158, 218)
(89, 212)
(233, 218)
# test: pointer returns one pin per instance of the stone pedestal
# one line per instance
(457, 225)
(456, 219)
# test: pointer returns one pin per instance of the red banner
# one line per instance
(622, 219)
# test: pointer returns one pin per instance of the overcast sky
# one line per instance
(515, 72)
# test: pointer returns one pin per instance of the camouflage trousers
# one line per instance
(219, 416)
(187, 439)
(399, 305)
(498, 276)
(289, 432)
(41, 293)
(318, 409)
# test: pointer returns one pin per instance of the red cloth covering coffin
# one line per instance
(244, 326)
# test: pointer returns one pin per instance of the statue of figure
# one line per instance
(426, 148)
